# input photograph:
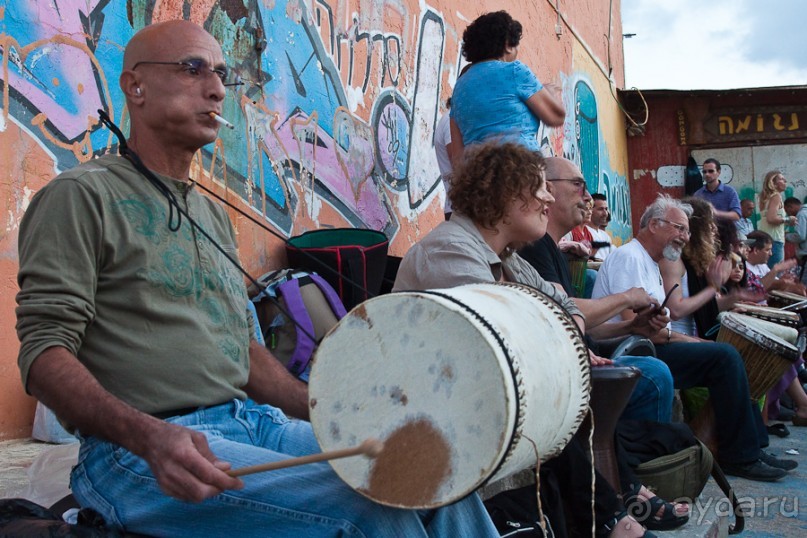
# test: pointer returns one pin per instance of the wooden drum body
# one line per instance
(767, 349)
(464, 386)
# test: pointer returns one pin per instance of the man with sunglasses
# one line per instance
(722, 197)
(741, 434)
(134, 330)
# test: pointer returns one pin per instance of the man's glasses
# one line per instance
(579, 184)
(196, 67)
(679, 227)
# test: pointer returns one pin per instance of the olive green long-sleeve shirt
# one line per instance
(157, 316)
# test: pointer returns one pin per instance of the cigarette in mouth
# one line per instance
(221, 120)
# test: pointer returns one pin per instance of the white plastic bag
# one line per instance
(49, 474)
(47, 427)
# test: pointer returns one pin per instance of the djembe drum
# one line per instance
(790, 301)
(767, 349)
(773, 315)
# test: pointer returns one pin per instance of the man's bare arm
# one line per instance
(598, 311)
(728, 215)
(269, 382)
(180, 458)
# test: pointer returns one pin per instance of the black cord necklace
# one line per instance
(174, 205)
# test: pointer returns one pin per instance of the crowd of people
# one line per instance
(134, 330)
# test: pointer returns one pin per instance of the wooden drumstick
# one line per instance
(370, 448)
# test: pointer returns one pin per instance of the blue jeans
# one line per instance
(719, 367)
(304, 501)
(653, 395)
(777, 253)
(591, 277)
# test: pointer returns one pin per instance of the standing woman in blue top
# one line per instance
(497, 96)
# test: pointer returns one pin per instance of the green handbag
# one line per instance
(682, 475)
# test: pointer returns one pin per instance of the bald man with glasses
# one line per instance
(134, 329)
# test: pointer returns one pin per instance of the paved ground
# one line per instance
(779, 509)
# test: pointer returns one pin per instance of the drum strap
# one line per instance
(515, 434)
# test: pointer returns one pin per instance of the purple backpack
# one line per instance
(313, 306)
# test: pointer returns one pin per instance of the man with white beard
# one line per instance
(741, 434)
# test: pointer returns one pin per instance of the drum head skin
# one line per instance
(438, 385)
(766, 313)
(778, 338)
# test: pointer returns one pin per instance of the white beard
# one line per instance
(671, 253)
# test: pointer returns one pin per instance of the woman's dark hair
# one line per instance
(728, 236)
(487, 37)
(735, 260)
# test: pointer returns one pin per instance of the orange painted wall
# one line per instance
(333, 127)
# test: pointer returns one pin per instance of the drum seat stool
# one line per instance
(611, 387)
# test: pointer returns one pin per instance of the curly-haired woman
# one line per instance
(498, 96)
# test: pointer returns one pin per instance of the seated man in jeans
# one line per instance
(741, 434)
(134, 329)
(652, 397)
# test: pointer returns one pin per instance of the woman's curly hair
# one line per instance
(491, 176)
(702, 247)
(487, 37)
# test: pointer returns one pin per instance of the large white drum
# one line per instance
(464, 386)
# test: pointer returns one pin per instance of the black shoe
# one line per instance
(757, 470)
(778, 429)
(773, 461)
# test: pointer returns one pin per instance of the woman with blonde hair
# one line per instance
(772, 210)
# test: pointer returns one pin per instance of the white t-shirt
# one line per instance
(629, 266)
(601, 236)
(442, 138)
(760, 269)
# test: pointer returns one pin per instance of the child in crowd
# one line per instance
(763, 278)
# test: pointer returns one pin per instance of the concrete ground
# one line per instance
(776, 510)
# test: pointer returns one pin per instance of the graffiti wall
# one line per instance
(333, 125)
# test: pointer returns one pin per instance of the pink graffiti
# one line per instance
(62, 39)
(346, 173)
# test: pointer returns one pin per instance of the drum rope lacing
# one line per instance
(571, 328)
